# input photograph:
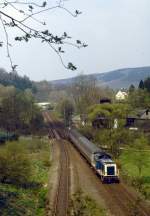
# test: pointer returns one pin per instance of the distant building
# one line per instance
(76, 120)
(121, 95)
(44, 105)
(139, 119)
(144, 114)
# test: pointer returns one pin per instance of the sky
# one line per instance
(117, 33)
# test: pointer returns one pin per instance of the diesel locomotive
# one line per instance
(100, 161)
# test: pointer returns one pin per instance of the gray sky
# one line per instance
(117, 33)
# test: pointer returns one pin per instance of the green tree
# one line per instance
(18, 110)
(141, 85)
(109, 112)
(113, 139)
(147, 84)
(15, 166)
(139, 156)
(131, 88)
(85, 93)
(9, 115)
(67, 109)
(140, 98)
(13, 79)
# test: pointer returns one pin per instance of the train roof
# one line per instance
(87, 144)
(90, 146)
(102, 156)
(107, 161)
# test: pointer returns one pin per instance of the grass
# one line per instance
(29, 200)
(129, 160)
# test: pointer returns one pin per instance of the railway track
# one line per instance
(61, 201)
(134, 201)
(127, 201)
(62, 194)
(119, 200)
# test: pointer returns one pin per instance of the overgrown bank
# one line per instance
(132, 161)
(83, 205)
(24, 166)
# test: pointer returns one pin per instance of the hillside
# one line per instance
(121, 78)
(13, 79)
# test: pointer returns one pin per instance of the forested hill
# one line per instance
(121, 78)
(13, 79)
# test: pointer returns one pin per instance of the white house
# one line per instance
(121, 95)
(144, 114)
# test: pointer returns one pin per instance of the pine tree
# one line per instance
(141, 85)
(131, 88)
(147, 84)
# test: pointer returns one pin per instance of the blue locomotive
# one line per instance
(102, 162)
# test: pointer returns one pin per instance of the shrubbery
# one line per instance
(83, 205)
(135, 165)
(24, 169)
(15, 166)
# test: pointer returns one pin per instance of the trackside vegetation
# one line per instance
(24, 152)
(19, 113)
(24, 166)
(135, 162)
(83, 205)
(130, 171)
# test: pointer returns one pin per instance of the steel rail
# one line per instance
(61, 201)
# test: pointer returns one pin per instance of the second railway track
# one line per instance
(62, 194)
(61, 201)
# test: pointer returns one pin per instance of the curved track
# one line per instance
(118, 198)
(127, 200)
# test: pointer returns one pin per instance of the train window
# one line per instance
(110, 170)
(98, 165)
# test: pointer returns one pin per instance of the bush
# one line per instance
(35, 145)
(8, 204)
(42, 198)
(15, 166)
(145, 190)
(83, 205)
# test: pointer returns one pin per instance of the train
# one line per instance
(100, 161)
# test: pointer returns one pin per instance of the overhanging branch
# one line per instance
(54, 41)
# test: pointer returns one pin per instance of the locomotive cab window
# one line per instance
(110, 170)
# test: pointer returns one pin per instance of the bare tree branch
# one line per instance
(54, 41)
(7, 42)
